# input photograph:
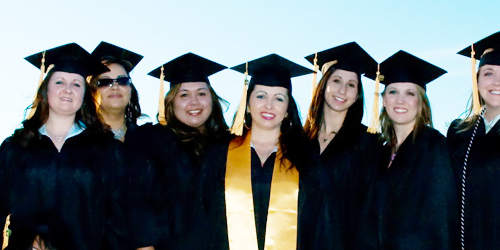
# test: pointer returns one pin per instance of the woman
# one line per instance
(412, 202)
(339, 143)
(474, 144)
(263, 164)
(120, 109)
(119, 100)
(63, 163)
(194, 122)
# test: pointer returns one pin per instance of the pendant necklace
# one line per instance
(120, 132)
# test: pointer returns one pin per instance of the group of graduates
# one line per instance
(81, 174)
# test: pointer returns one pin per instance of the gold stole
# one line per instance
(281, 227)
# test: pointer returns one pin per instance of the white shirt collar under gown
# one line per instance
(489, 125)
(75, 130)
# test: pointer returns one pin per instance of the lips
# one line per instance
(495, 92)
(400, 110)
(339, 99)
(267, 115)
(115, 96)
(66, 99)
(195, 112)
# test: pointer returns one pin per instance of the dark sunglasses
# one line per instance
(122, 81)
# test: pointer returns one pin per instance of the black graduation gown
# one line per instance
(412, 204)
(214, 172)
(75, 189)
(343, 179)
(181, 222)
(482, 186)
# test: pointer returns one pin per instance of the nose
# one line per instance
(343, 88)
(193, 100)
(400, 98)
(114, 84)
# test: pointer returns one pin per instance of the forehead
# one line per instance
(402, 85)
(490, 66)
(186, 86)
(270, 90)
(67, 76)
(114, 69)
(345, 74)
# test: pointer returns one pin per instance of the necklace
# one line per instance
(120, 132)
(327, 135)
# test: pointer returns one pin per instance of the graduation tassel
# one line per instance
(476, 106)
(374, 125)
(239, 119)
(6, 233)
(315, 74)
(40, 80)
(161, 104)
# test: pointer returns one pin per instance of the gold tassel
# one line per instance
(239, 120)
(315, 74)
(161, 104)
(476, 106)
(375, 123)
(40, 80)
(6, 233)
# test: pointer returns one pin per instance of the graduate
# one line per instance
(118, 98)
(253, 194)
(63, 163)
(475, 147)
(412, 203)
(340, 144)
(192, 121)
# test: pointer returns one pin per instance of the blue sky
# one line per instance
(233, 32)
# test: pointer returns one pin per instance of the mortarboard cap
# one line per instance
(105, 49)
(188, 68)
(70, 58)
(404, 67)
(487, 50)
(272, 70)
(349, 56)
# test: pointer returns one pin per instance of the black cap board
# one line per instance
(404, 67)
(70, 58)
(349, 56)
(105, 49)
(487, 50)
(188, 68)
(272, 70)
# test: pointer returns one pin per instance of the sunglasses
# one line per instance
(108, 82)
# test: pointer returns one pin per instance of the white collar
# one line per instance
(76, 129)
(489, 125)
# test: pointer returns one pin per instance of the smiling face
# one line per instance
(114, 96)
(65, 93)
(193, 104)
(341, 90)
(401, 102)
(268, 106)
(489, 88)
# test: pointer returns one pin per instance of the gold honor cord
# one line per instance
(281, 228)
(6, 233)
(161, 104)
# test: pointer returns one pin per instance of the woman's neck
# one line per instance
(115, 119)
(402, 131)
(332, 120)
(264, 141)
(57, 128)
(491, 113)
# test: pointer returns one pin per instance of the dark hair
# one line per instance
(423, 119)
(133, 109)
(196, 140)
(87, 114)
(292, 138)
(316, 118)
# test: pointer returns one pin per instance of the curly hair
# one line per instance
(133, 109)
(315, 117)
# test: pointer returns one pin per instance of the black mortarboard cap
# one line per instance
(272, 70)
(105, 49)
(484, 45)
(188, 68)
(404, 67)
(70, 58)
(349, 56)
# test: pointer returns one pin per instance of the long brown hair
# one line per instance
(87, 114)
(471, 118)
(315, 117)
(423, 119)
(215, 126)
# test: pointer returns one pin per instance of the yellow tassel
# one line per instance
(161, 104)
(375, 124)
(6, 233)
(40, 80)
(476, 106)
(315, 74)
(239, 120)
